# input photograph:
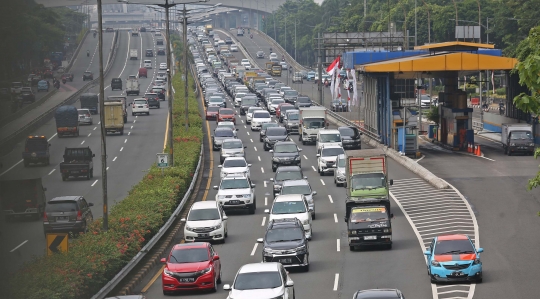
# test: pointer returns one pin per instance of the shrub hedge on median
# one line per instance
(95, 258)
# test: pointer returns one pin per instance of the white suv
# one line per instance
(246, 63)
(148, 64)
(236, 192)
(249, 113)
(326, 159)
(238, 98)
(292, 206)
(163, 66)
(206, 221)
(327, 138)
(140, 106)
(261, 280)
(234, 165)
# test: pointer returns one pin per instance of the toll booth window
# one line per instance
(368, 181)
(368, 214)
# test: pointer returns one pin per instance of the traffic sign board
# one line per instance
(163, 160)
(57, 243)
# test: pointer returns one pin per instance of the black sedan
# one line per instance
(350, 137)
(274, 135)
(285, 153)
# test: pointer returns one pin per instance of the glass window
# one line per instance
(213, 108)
(203, 214)
(189, 255)
(234, 163)
(368, 181)
(288, 207)
(269, 125)
(453, 247)
(303, 100)
(61, 206)
(284, 234)
(368, 214)
(521, 135)
(232, 144)
(291, 93)
(285, 148)
(226, 111)
(288, 175)
(37, 145)
(347, 132)
(224, 133)
(257, 280)
(341, 162)
(314, 123)
(293, 116)
(261, 115)
(300, 189)
(140, 102)
(235, 184)
(278, 131)
(277, 101)
(330, 138)
(331, 152)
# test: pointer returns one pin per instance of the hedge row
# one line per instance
(95, 258)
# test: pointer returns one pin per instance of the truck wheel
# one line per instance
(88, 177)
(64, 177)
(26, 163)
(122, 132)
(92, 172)
(351, 248)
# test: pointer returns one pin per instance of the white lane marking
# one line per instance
(266, 201)
(18, 246)
(243, 122)
(89, 134)
(94, 183)
(330, 198)
(335, 217)
(251, 140)
(134, 121)
(245, 127)
(125, 141)
(264, 221)
(51, 171)
(305, 157)
(127, 55)
(262, 170)
(82, 142)
(114, 159)
(247, 133)
(131, 127)
(313, 168)
(480, 157)
(337, 244)
(107, 168)
(418, 160)
(336, 281)
(322, 182)
(255, 148)
(122, 148)
(259, 157)
(264, 184)
(254, 249)
(95, 128)
(99, 123)
(129, 133)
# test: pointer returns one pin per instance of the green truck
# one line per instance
(367, 207)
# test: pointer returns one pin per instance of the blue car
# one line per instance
(43, 85)
(453, 258)
(310, 76)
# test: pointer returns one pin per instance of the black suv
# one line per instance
(36, 150)
(149, 53)
(248, 101)
(87, 76)
(285, 153)
(161, 51)
(159, 41)
(285, 242)
(116, 83)
(67, 214)
(350, 137)
(264, 127)
(302, 101)
(286, 173)
(274, 135)
(153, 100)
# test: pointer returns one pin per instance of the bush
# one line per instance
(95, 258)
(501, 91)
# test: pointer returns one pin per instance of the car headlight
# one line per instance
(277, 187)
(434, 263)
(275, 159)
(204, 271)
(189, 228)
(301, 249)
(512, 144)
(352, 232)
(221, 196)
(168, 273)
(267, 250)
(216, 227)
(297, 158)
(246, 195)
(305, 222)
(387, 230)
(477, 262)
(278, 297)
(531, 144)
(323, 161)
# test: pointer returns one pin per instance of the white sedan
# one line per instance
(292, 206)
(249, 113)
(234, 165)
(140, 106)
(233, 48)
(259, 118)
(162, 66)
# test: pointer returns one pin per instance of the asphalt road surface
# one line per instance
(129, 156)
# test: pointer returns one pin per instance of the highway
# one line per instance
(335, 272)
(129, 156)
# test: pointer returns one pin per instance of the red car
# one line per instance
(193, 266)
(278, 109)
(212, 112)
(226, 114)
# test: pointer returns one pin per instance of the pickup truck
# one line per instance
(77, 163)
(21, 198)
(133, 54)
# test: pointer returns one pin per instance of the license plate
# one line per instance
(234, 202)
(370, 237)
(186, 279)
(458, 273)
(140, 107)
(74, 171)
(202, 235)
(286, 261)
(62, 218)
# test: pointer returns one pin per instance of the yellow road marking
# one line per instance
(153, 280)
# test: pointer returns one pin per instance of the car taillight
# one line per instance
(146, 106)
(79, 215)
(45, 218)
(87, 115)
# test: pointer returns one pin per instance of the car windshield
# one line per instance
(234, 184)
(257, 280)
(288, 207)
(251, 109)
(521, 136)
(293, 116)
(261, 115)
(368, 181)
(234, 163)
(61, 206)
(189, 255)
(285, 148)
(368, 214)
(303, 100)
(224, 133)
(341, 163)
(331, 152)
(216, 100)
(203, 214)
(278, 131)
(139, 102)
(453, 247)
(221, 124)
(329, 138)
(347, 132)
(299, 189)
(269, 125)
(314, 123)
(213, 108)
(226, 111)
(277, 101)
(291, 92)
(232, 144)
(288, 175)
(284, 234)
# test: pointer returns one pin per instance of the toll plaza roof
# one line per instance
(443, 61)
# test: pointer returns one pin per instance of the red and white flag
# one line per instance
(333, 66)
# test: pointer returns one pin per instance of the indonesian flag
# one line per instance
(333, 66)
(337, 86)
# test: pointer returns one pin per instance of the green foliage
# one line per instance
(433, 114)
(95, 258)
(500, 91)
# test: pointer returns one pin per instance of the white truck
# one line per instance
(16, 87)
(133, 54)
(312, 119)
(132, 87)
(517, 138)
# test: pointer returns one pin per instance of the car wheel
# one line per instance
(306, 267)
(147, 113)
(351, 248)
(252, 209)
(219, 277)
(64, 177)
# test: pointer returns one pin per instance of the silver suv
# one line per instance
(261, 280)
(236, 191)
(68, 214)
(231, 148)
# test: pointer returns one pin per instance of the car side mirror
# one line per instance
(427, 252)
(259, 240)
(391, 182)
(267, 211)
(236, 129)
(271, 179)
(318, 155)
(183, 220)
(220, 166)
(93, 155)
(253, 185)
(226, 287)
(225, 217)
(245, 146)
(290, 283)
(215, 187)
(249, 165)
(271, 151)
(163, 260)
(216, 257)
(392, 215)
(480, 250)
(314, 192)
(90, 204)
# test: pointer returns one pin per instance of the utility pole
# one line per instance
(294, 39)
(415, 25)
(184, 35)
(365, 9)
(102, 121)
(319, 66)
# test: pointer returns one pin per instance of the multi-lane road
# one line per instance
(129, 156)
(335, 271)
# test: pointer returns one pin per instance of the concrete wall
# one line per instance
(492, 122)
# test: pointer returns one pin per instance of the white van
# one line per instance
(328, 138)
(148, 64)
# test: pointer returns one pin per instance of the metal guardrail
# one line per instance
(73, 98)
(137, 258)
(288, 58)
(477, 125)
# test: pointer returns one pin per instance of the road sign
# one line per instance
(57, 243)
(163, 160)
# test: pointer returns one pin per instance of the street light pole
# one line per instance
(102, 121)
(184, 35)
(294, 39)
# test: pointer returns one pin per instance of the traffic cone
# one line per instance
(474, 150)
(479, 151)
(469, 148)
